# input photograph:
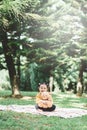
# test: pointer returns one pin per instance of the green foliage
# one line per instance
(29, 77)
(57, 46)
(33, 76)
(13, 14)
(50, 34)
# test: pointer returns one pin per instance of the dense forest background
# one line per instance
(40, 39)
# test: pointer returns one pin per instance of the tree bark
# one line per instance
(15, 88)
(10, 63)
(80, 81)
(51, 83)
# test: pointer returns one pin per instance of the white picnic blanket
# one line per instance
(60, 112)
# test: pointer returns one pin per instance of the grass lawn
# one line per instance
(21, 121)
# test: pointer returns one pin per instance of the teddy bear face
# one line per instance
(45, 95)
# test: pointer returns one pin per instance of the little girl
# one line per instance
(44, 99)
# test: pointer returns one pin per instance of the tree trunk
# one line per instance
(80, 81)
(15, 88)
(9, 62)
(79, 88)
(18, 69)
(51, 83)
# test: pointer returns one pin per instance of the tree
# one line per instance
(58, 43)
(12, 14)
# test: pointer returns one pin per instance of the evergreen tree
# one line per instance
(12, 14)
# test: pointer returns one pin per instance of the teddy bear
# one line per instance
(46, 100)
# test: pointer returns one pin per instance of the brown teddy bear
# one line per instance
(46, 100)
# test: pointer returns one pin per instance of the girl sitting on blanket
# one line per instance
(44, 99)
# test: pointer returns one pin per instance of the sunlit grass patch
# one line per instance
(70, 100)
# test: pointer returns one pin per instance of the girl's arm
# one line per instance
(38, 98)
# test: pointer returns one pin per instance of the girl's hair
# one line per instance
(43, 84)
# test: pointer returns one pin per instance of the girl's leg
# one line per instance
(38, 108)
(50, 109)
(46, 109)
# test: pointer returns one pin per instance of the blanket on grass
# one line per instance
(60, 112)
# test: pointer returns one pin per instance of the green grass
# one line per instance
(5, 98)
(70, 100)
(21, 121)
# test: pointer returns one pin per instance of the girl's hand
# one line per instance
(45, 102)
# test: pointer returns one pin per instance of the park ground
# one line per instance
(10, 120)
